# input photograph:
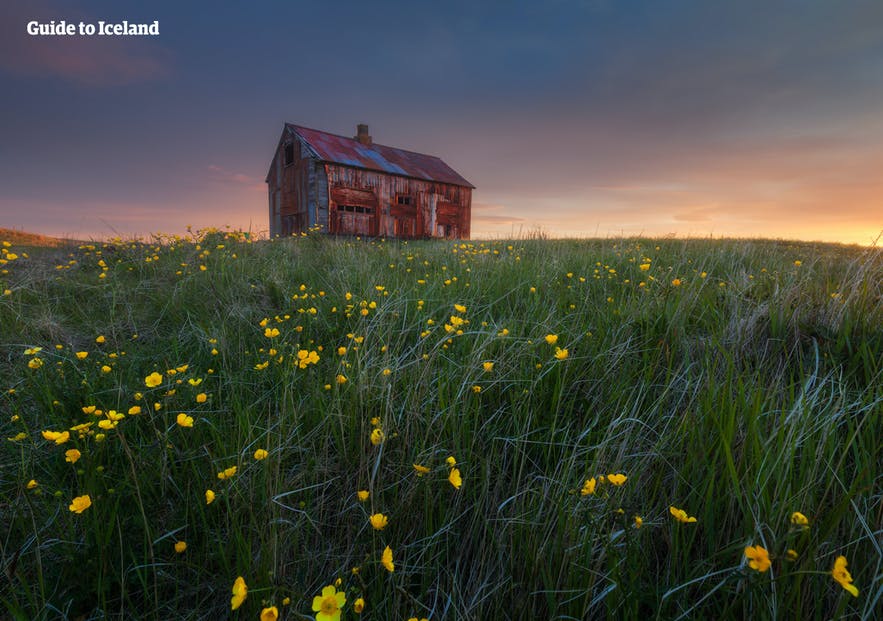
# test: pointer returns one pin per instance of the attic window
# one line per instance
(404, 199)
(289, 153)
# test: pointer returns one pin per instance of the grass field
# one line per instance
(535, 422)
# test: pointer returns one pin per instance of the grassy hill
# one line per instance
(511, 429)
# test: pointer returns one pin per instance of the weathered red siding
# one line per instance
(349, 200)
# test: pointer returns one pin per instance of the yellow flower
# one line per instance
(421, 470)
(134, 410)
(270, 614)
(362, 495)
(798, 519)
(616, 479)
(644, 267)
(476, 389)
(378, 521)
(209, 496)
(260, 454)
(551, 339)
(201, 397)
(680, 515)
(842, 575)
(639, 521)
(454, 478)
(589, 487)
(21, 435)
(180, 547)
(459, 308)
(81, 355)
(359, 606)
(798, 263)
(386, 560)
(561, 354)
(377, 436)
(226, 474)
(451, 461)
(153, 380)
(100, 338)
(240, 592)
(676, 282)
(341, 379)
(271, 333)
(80, 504)
(59, 437)
(35, 363)
(32, 484)
(791, 554)
(487, 366)
(329, 604)
(184, 420)
(341, 351)
(72, 455)
(106, 369)
(759, 558)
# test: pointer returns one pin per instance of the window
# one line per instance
(289, 153)
(355, 209)
(404, 199)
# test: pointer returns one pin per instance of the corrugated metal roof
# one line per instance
(350, 152)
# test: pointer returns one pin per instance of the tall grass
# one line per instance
(739, 381)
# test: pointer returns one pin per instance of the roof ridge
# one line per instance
(386, 146)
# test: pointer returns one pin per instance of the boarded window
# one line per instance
(289, 153)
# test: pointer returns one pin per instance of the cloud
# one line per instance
(93, 61)
(487, 213)
(222, 175)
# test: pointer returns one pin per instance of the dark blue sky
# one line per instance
(580, 117)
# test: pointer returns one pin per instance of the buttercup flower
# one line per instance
(180, 547)
(377, 436)
(329, 604)
(226, 474)
(201, 397)
(260, 454)
(386, 560)
(209, 496)
(487, 366)
(240, 592)
(680, 515)
(185, 421)
(842, 576)
(455, 479)
(378, 521)
(421, 470)
(270, 614)
(359, 606)
(616, 479)
(271, 333)
(639, 521)
(80, 504)
(551, 339)
(561, 354)
(362, 495)
(32, 484)
(72, 455)
(798, 519)
(589, 487)
(759, 558)
(153, 380)
(82, 355)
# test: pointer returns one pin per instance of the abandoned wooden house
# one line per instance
(352, 186)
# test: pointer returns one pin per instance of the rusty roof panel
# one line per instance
(350, 152)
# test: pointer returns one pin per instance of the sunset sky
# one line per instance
(577, 117)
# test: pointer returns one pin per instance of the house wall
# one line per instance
(437, 209)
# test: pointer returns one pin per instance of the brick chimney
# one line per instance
(362, 134)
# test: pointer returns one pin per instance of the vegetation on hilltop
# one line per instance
(321, 428)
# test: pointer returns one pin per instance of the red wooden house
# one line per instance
(352, 186)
